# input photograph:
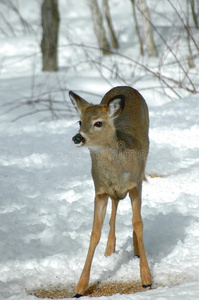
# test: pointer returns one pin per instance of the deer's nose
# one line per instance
(78, 138)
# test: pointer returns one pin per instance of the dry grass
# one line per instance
(154, 175)
(94, 290)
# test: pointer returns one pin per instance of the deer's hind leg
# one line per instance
(135, 196)
(110, 247)
(135, 244)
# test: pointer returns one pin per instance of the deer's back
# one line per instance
(132, 125)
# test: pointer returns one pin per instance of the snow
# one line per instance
(47, 192)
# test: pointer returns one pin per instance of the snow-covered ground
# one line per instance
(46, 194)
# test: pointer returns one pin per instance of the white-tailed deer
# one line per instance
(116, 133)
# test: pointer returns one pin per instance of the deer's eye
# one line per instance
(98, 124)
(80, 123)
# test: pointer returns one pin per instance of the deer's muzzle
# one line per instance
(78, 139)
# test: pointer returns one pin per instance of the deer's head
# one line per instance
(96, 121)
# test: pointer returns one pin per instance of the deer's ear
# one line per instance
(78, 102)
(116, 106)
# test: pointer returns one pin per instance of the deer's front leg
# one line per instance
(99, 214)
(110, 248)
(135, 195)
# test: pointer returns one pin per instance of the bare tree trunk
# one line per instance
(147, 28)
(50, 25)
(98, 27)
(137, 28)
(114, 41)
(195, 11)
(190, 58)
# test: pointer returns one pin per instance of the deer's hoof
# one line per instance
(147, 286)
(77, 296)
